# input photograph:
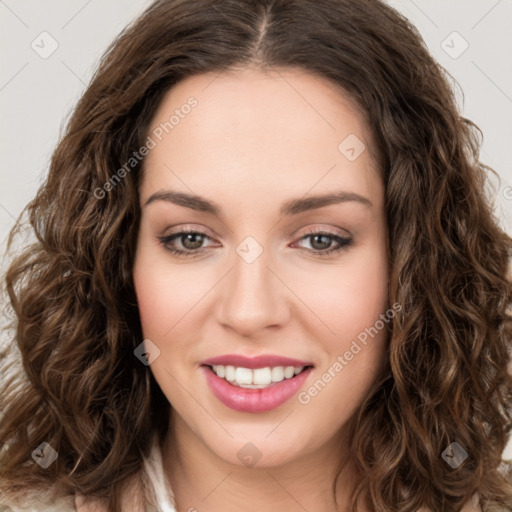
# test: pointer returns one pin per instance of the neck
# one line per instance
(202, 481)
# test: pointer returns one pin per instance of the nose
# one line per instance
(253, 299)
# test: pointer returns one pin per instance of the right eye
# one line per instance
(190, 240)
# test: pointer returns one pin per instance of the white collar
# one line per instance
(154, 469)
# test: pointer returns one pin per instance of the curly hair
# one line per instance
(76, 321)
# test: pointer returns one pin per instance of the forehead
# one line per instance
(285, 128)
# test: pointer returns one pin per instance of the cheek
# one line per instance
(163, 296)
(351, 298)
(148, 300)
(154, 295)
(172, 305)
(358, 312)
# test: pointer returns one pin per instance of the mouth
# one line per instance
(255, 389)
(258, 378)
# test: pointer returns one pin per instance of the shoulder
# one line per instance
(472, 505)
(132, 499)
(82, 504)
(66, 504)
(149, 487)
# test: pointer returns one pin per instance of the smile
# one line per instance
(256, 384)
(258, 378)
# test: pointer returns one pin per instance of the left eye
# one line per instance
(322, 242)
(192, 242)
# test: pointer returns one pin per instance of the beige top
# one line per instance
(158, 493)
(159, 490)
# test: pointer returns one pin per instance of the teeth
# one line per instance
(243, 376)
(277, 374)
(220, 370)
(257, 378)
(262, 376)
(230, 373)
(289, 372)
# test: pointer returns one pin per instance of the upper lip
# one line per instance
(263, 361)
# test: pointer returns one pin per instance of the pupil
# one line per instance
(325, 243)
(195, 240)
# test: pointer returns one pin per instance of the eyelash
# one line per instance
(165, 240)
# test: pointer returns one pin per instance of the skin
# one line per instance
(254, 141)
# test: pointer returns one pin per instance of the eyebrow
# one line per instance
(290, 207)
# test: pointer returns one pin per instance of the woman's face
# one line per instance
(288, 267)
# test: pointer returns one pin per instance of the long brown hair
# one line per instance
(80, 388)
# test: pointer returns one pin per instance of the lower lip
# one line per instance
(254, 400)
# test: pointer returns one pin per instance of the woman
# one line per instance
(267, 277)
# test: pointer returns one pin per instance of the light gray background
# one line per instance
(37, 94)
